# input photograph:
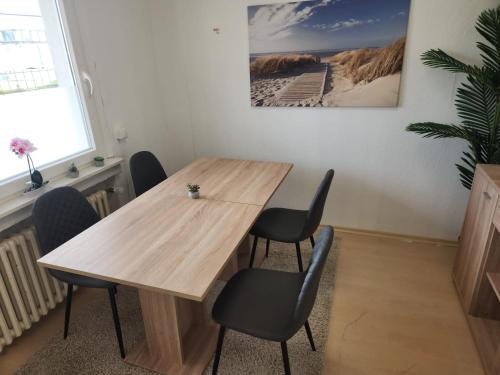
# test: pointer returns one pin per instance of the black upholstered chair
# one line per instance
(60, 215)
(271, 305)
(291, 226)
(146, 171)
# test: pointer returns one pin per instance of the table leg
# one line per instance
(244, 253)
(231, 268)
(236, 263)
(180, 336)
(244, 248)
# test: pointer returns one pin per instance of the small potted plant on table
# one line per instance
(193, 191)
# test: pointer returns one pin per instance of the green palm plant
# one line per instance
(477, 100)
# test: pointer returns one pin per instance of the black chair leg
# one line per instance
(267, 247)
(299, 256)
(115, 289)
(111, 292)
(218, 351)
(254, 247)
(286, 361)
(310, 336)
(69, 297)
(312, 241)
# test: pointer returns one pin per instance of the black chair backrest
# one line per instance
(61, 214)
(315, 212)
(309, 290)
(146, 171)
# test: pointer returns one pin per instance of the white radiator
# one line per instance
(27, 291)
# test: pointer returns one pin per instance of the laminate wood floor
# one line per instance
(394, 311)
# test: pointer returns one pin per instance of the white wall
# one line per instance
(386, 179)
(183, 91)
(120, 48)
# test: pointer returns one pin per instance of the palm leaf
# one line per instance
(476, 104)
(466, 176)
(437, 58)
(497, 120)
(496, 155)
(477, 101)
(467, 160)
(488, 25)
(490, 57)
(435, 130)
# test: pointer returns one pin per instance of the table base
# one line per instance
(180, 336)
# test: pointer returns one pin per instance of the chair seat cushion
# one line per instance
(87, 282)
(260, 303)
(280, 224)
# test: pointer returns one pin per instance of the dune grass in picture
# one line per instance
(327, 53)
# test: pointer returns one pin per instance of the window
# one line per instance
(40, 99)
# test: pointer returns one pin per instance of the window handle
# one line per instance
(88, 79)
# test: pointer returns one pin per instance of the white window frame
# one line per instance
(87, 92)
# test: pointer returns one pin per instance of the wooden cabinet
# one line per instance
(477, 266)
(474, 238)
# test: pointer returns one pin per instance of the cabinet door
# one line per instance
(474, 237)
(485, 302)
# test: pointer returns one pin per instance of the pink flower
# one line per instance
(21, 147)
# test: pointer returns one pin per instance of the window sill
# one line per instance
(17, 207)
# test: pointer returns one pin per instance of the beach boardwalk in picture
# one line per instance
(309, 86)
(327, 53)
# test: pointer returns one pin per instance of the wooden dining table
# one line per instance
(173, 249)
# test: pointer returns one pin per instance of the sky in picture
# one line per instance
(326, 25)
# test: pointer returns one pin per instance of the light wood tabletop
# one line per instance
(166, 243)
(230, 180)
(173, 248)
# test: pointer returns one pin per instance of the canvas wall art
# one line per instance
(327, 53)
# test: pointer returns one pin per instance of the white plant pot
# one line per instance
(194, 195)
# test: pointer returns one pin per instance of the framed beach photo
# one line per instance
(327, 53)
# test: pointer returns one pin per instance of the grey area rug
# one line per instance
(91, 346)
